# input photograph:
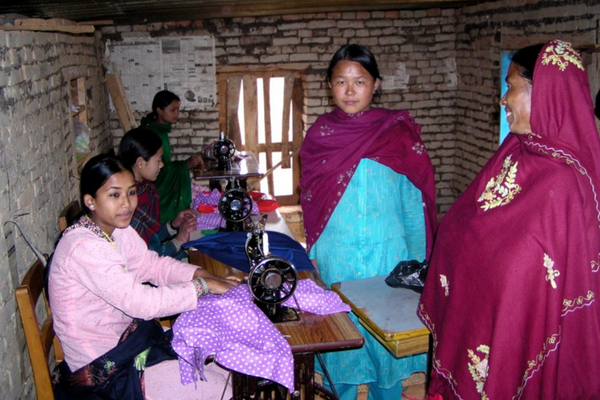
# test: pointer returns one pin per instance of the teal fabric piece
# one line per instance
(378, 222)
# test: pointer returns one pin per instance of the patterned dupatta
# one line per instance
(146, 220)
(119, 373)
(511, 292)
(336, 143)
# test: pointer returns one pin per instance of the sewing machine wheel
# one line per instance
(224, 149)
(273, 280)
(235, 205)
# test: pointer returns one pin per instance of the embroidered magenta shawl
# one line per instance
(336, 143)
(511, 292)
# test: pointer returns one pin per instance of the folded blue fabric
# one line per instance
(230, 249)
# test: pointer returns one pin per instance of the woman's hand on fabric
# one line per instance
(234, 279)
(218, 285)
(195, 161)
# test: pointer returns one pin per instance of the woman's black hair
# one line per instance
(355, 52)
(95, 173)
(597, 107)
(161, 100)
(525, 60)
(138, 142)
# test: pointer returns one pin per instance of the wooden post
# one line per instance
(119, 99)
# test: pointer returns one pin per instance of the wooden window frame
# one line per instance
(229, 83)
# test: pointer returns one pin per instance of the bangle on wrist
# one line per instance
(201, 286)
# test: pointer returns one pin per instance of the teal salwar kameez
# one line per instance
(378, 222)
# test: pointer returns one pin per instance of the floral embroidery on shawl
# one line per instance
(595, 264)
(445, 284)
(577, 303)
(533, 365)
(419, 148)
(326, 130)
(479, 368)
(561, 54)
(437, 365)
(502, 189)
(551, 272)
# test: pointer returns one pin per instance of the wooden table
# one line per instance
(309, 335)
(389, 314)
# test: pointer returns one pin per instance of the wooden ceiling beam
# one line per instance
(141, 11)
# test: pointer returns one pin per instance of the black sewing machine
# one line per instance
(222, 151)
(272, 280)
(235, 206)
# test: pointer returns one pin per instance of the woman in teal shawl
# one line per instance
(174, 183)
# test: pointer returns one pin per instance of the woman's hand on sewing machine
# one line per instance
(195, 162)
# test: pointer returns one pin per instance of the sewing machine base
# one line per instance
(278, 313)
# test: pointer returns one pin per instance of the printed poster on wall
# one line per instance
(185, 66)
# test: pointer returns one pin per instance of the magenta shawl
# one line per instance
(333, 148)
(511, 292)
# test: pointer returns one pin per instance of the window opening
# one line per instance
(504, 64)
(79, 115)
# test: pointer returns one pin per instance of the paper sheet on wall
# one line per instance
(185, 66)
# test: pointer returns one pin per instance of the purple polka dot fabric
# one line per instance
(313, 298)
(240, 336)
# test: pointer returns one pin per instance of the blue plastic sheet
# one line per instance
(230, 249)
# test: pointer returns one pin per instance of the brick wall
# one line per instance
(418, 45)
(37, 159)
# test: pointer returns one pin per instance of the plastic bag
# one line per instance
(408, 274)
(82, 139)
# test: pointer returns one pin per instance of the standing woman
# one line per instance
(511, 293)
(368, 199)
(174, 183)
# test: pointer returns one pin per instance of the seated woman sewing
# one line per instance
(142, 151)
(174, 182)
(102, 313)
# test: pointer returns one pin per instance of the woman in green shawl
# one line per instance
(174, 182)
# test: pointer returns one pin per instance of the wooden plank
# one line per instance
(98, 23)
(406, 346)
(250, 114)
(51, 28)
(232, 128)
(43, 22)
(222, 94)
(268, 128)
(297, 138)
(288, 87)
(119, 99)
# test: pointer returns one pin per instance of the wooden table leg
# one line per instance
(304, 375)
